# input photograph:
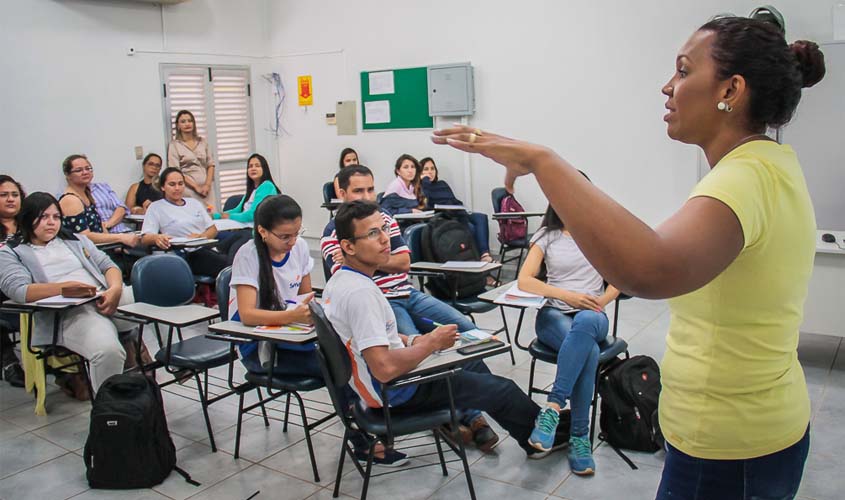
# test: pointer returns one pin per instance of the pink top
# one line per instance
(398, 186)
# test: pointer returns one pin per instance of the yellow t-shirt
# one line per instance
(732, 384)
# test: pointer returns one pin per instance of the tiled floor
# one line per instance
(40, 457)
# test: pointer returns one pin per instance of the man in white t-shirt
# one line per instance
(366, 324)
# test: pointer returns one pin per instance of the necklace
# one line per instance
(746, 139)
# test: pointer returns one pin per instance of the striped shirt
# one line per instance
(107, 202)
(387, 282)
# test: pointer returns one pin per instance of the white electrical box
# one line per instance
(451, 90)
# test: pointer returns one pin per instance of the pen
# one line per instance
(288, 301)
(431, 322)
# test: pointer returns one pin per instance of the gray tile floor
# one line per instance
(40, 457)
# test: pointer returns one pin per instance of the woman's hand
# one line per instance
(205, 189)
(224, 215)
(162, 241)
(519, 157)
(582, 301)
(109, 300)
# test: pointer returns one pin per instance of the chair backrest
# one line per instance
(222, 287)
(328, 192)
(334, 361)
(162, 280)
(232, 202)
(379, 197)
(497, 195)
(413, 238)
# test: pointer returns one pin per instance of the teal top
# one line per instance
(238, 213)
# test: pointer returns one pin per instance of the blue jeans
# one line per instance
(419, 305)
(770, 477)
(480, 231)
(288, 362)
(577, 343)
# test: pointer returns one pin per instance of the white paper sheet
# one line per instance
(381, 83)
(377, 111)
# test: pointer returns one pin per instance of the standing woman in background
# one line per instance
(190, 153)
(735, 260)
(347, 157)
(146, 191)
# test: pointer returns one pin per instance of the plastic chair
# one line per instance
(380, 425)
(285, 385)
(195, 355)
(468, 306)
(232, 202)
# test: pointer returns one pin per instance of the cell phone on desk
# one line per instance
(480, 347)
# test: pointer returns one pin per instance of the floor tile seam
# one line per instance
(211, 485)
(3, 478)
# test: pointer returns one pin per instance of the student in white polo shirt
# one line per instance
(366, 324)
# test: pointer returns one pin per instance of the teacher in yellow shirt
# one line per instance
(735, 260)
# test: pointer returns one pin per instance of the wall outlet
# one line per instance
(139, 152)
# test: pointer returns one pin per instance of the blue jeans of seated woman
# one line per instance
(770, 477)
(577, 343)
(480, 231)
(288, 362)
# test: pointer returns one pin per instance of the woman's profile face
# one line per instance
(693, 92)
(350, 159)
(429, 170)
(407, 170)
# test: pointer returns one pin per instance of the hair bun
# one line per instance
(810, 61)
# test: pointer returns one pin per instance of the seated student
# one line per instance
(11, 194)
(82, 214)
(404, 194)
(50, 258)
(414, 312)
(144, 192)
(259, 185)
(438, 192)
(574, 323)
(365, 322)
(268, 273)
(178, 216)
(347, 157)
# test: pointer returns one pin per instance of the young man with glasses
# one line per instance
(367, 326)
(414, 310)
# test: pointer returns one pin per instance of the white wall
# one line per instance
(582, 77)
(68, 85)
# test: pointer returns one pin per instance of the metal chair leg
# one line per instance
(368, 471)
(343, 451)
(287, 412)
(440, 452)
(263, 409)
(238, 429)
(531, 377)
(595, 407)
(204, 402)
(307, 435)
(507, 334)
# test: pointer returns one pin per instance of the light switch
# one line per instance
(139, 152)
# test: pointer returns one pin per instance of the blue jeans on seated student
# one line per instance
(480, 231)
(576, 340)
(288, 362)
(770, 477)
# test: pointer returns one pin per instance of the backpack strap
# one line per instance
(187, 476)
(619, 452)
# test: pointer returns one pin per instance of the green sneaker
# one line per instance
(581, 456)
(543, 435)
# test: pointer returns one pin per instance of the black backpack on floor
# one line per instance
(128, 444)
(446, 238)
(629, 393)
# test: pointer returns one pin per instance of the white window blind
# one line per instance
(219, 98)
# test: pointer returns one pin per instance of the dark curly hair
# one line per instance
(774, 71)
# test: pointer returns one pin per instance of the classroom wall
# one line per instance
(582, 77)
(68, 85)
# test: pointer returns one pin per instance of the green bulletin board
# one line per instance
(408, 102)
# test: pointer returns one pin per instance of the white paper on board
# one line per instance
(381, 83)
(377, 111)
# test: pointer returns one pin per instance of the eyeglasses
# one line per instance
(286, 238)
(374, 233)
(46, 217)
(82, 169)
(10, 194)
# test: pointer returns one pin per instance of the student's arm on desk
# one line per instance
(387, 364)
(528, 282)
(253, 316)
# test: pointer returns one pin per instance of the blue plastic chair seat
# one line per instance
(608, 349)
(298, 383)
(196, 353)
(401, 423)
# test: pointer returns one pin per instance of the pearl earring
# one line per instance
(723, 106)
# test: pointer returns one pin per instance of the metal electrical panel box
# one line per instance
(451, 90)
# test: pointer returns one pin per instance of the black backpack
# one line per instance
(128, 444)
(446, 238)
(629, 393)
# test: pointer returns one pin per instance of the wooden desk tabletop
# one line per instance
(438, 362)
(239, 330)
(176, 316)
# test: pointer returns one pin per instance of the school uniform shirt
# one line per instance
(732, 384)
(387, 282)
(363, 318)
(60, 264)
(287, 273)
(566, 266)
(176, 220)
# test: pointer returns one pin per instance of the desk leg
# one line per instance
(507, 333)
(518, 329)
